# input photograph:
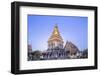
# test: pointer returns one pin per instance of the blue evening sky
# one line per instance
(71, 28)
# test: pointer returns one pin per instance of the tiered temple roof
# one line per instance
(55, 35)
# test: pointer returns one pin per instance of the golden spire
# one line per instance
(55, 35)
(55, 32)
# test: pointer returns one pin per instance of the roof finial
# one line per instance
(56, 25)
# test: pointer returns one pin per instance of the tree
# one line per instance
(85, 53)
(36, 55)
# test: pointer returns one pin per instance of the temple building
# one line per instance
(29, 52)
(55, 46)
(71, 48)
